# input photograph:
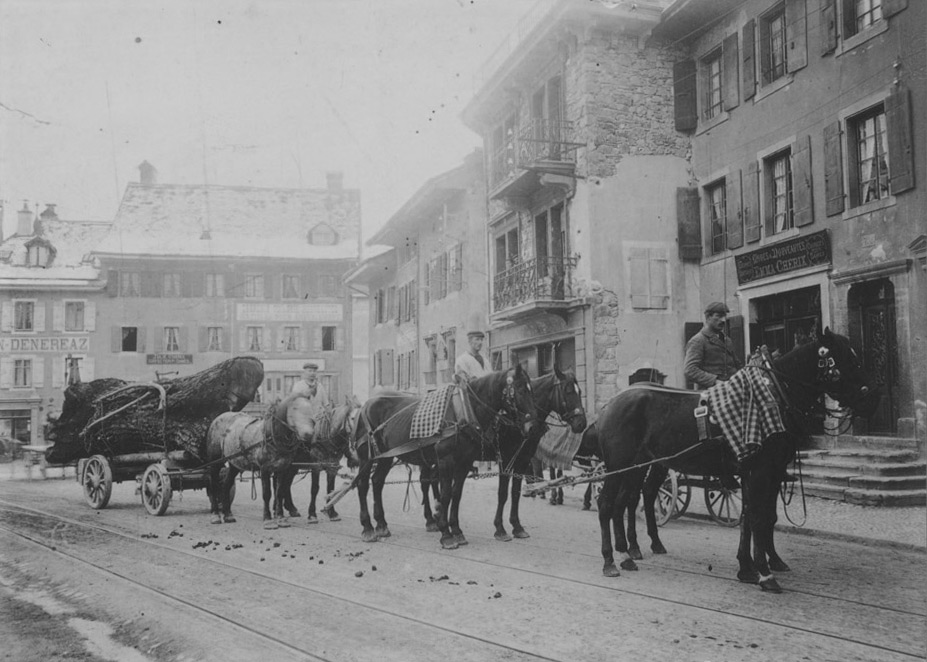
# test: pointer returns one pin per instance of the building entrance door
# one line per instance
(872, 330)
(786, 320)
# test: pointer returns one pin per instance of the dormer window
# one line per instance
(39, 253)
(323, 235)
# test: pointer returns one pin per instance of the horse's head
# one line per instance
(344, 422)
(843, 377)
(297, 414)
(517, 400)
(568, 400)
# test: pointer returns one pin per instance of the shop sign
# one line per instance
(80, 344)
(168, 359)
(784, 257)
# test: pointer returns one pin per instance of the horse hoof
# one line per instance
(770, 585)
(431, 527)
(228, 519)
(312, 519)
(748, 577)
(216, 519)
(610, 570)
(294, 513)
(270, 525)
(334, 517)
(461, 540)
(449, 542)
(635, 553)
(779, 566)
(628, 564)
(283, 523)
(370, 536)
(521, 534)
(383, 533)
(502, 536)
(587, 506)
(658, 548)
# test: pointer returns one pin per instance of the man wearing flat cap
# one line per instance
(472, 364)
(710, 356)
(310, 386)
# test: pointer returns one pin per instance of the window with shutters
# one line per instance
(861, 14)
(22, 373)
(171, 339)
(171, 285)
(773, 44)
(717, 215)
(431, 365)
(290, 339)
(712, 100)
(779, 192)
(37, 255)
(215, 285)
(214, 339)
(648, 278)
(254, 286)
(328, 338)
(255, 338)
(74, 316)
(290, 286)
(455, 268)
(129, 339)
(868, 148)
(24, 315)
(130, 284)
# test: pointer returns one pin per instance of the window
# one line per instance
(450, 348)
(130, 339)
(290, 288)
(328, 339)
(507, 251)
(323, 235)
(22, 373)
(870, 176)
(215, 285)
(648, 278)
(74, 316)
(455, 268)
(130, 284)
(717, 215)
(711, 75)
(255, 338)
(291, 339)
(171, 339)
(214, 339)
(431, 367)
(24, 316)
(37, 256)
(171, 285)
(772, 44)
(254, 286)
(328, 285)
(779, 198)
(16, 423)
(436, 273)
(860, 14)
(289, 381)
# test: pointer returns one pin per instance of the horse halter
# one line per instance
(828, 372)
(509, 401)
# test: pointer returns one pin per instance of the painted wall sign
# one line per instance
(784, 257)
(168, 359)
(45, 344)
(289, 312)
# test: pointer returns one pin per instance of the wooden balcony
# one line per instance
(539, 147)
(537, 285)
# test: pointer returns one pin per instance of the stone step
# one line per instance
(826, 442)
(864, 497)
(864, 455)
(888, 483)
(854, 468)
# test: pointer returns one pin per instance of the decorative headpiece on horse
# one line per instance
(827, 368)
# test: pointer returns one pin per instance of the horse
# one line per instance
(330, 443)
(267, 445)
(556, 392)
(383, 430)
(646, 424)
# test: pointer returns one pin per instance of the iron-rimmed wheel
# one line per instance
(156, 490)
(725, 506)
(97, 481)
(672, 498)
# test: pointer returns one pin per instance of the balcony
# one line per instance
(537, 285)
(539, 147)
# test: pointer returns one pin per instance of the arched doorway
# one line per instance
(871, 308)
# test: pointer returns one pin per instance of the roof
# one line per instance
(72, 266)
(685, 20)
(233, 221)
(379, 262)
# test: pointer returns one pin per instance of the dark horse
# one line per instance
(382, 434)
(646, 424)
(555, 392)
(253, 443)
(329, 445)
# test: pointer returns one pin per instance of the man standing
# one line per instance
(472, 364)
(310, 386)
(710, 356)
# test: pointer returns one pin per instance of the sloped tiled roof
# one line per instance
(232, 221)
(72, 241)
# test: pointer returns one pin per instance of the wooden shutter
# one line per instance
(796, 35)
(413, 299)
(202, 337)
(833, 169)
(684, 96)
(243, 339)
(659, 285)
(689, 224)
(802, 187)
(317, 339)
(159, 339)
(751, 202)
(339, 338)
(112, 283)
(183, 339)
(638, 287)
(58, 316)
(268, 285)
(6, 372)
(196, 282)
(115, 339)
(388, 372)
(749, 59)
(90, 316)
(6, 316)
(892, 7)
(140, 334)
(730, 72)
(151, 284)
(38, 322)
(735, 325)
(900, 154)
(734, 211)
(829, 26)
(38, 372)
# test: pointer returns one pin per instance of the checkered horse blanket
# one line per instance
(745, 409)
(429, 415)
(559, 444)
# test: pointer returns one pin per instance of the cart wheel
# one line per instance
(97, 480)
(683, 494)
(725, 506)
(672, 498)
(156, 489)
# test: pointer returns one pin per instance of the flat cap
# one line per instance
(310, 366)
(476, 334)
(717, 307)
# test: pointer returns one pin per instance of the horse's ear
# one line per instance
(827, 337)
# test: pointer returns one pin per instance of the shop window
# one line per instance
(717, 215)
(74, 316)
(16, 424)
(712, 100)
(779, 201)
(772, 44)
(24, 316)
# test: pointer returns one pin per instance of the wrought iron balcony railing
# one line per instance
(537, 141)
(536, 279)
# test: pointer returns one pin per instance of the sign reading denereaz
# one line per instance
(783, 257)
(30, 344)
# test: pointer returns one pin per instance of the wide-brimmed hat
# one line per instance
(717, 307)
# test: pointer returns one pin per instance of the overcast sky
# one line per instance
(271, 93)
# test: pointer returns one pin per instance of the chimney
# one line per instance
(24, 220)
(335, 182)
(148, 174)
(49, 214)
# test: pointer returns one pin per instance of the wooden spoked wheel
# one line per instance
(156, 489)
(672, 498)
(725, 506)
(97, 481)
